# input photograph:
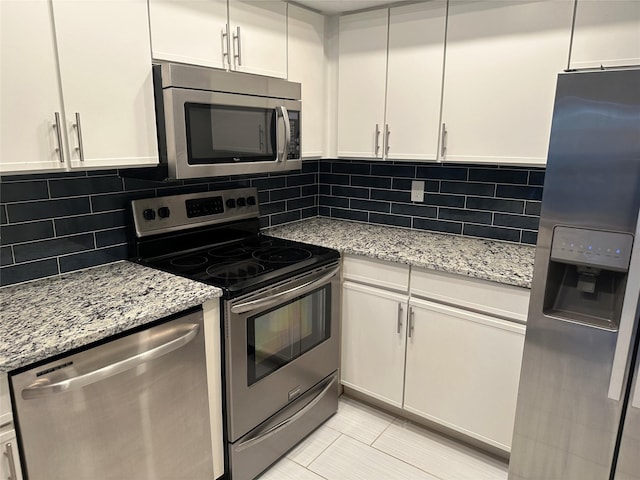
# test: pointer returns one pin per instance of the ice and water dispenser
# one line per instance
(587, 276)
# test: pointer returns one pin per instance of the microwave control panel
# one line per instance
(294, 148)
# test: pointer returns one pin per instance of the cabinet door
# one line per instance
(500, 75)
(362, 64)
(259, 37)
(606, 33)
(463, 370)
(305, 43)
(373, 342)
(105, 70)
(30, 91)
(414, 80)
(9, 456)
(189, 31)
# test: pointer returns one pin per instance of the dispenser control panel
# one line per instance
(592, 248)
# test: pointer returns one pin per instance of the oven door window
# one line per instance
(277, 337)
(226, 134)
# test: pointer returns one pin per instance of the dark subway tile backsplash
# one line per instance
(61, 222)
(56, 223)
(480, 201)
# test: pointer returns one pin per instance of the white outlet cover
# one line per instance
(417, 191)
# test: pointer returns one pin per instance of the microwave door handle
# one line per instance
(287, 133)
(281, 112)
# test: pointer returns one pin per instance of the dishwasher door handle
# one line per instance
(43, 386)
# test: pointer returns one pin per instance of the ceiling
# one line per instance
(333, 7)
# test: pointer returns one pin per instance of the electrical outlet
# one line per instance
(417, 191)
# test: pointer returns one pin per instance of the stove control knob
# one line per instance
(251, 200)
(149, 214)
(231, 203)
(164, 212)
(242, 202)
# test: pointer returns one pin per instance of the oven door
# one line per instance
(279, 343)
(213, 133)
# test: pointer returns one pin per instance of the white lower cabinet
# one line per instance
(10, 464)
(456, 364)
(373, 341)
(462, 370)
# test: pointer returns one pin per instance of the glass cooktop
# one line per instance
(247, 264)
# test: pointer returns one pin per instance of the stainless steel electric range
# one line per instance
(280, 315)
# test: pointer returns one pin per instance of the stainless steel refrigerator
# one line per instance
(578, 411)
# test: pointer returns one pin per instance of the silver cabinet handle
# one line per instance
(412, 315)
(8, 452)
(399, 318)
(43, 386)
(443, 145)
(625, 330)
(387, 133)
(377, 144)
(261, 435)
(237, 54)
(56, 125)
(78, 128)
(225, 45)
(283, 296)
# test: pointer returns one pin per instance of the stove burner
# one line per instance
(234, 271)
(189, 261)
(281, 254)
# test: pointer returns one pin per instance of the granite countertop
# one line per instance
(501, 262)
(48, 317)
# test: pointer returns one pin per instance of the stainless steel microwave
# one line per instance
(212, 122)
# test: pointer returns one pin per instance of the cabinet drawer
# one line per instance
(394, 276)
(501, 300)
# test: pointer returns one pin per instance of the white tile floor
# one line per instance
(362, 443)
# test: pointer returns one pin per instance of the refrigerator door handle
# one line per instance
(627, 320)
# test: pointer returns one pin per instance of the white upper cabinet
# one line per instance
(189, 31)
(390, 82)
(307, 65)
(414, 80)
(30, 96)
(245, 36)
(258, 37)
(606, 33)
(105, 71)
(362, 64)
(502, 60)
(102, 71)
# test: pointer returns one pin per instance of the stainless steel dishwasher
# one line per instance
(134, 408)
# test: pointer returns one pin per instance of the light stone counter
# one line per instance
(48, 317)
(501, 262)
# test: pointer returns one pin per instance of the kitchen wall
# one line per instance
(56, 223)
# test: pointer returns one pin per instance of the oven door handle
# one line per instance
(261, 435)
(283, 296)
